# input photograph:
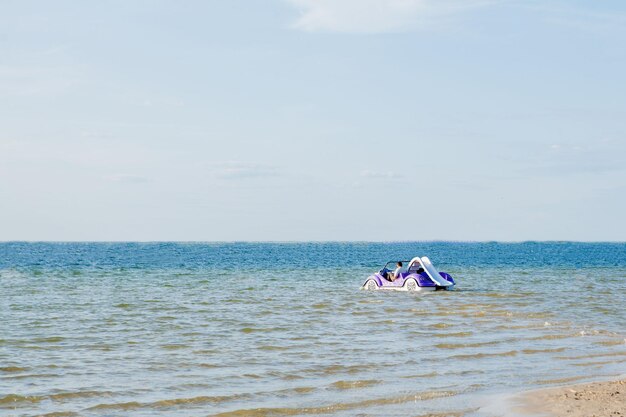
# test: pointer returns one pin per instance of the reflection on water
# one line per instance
(195, 340)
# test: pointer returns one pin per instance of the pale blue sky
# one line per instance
(313, 120)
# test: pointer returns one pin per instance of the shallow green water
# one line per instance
(110, 331)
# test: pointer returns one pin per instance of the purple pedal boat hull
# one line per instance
(415, 278)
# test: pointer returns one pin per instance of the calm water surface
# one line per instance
(246, 329)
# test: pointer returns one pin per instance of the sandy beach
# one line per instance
(598, 399)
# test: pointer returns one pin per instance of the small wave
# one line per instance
(561, 380)
(261, 330)
(428, 375)
(545, 314)
(26, 376)
(355, 384)
(132, 405)
(13, 369)
(291, 377)
(205, 351)
(13, 400)
(595, 355)
(297, 390)
(272, 347)
(371, 301)
(333, 408)
(598, 363)
(389, 321)
(196, 400)
(507, 295)
(338, 369)
(98, 346)
(51, 339)
(303, 390)
(518, 326)
(209, 365)
(466, 345)
(466, 372)
(551, 337)
(117, 406)
(533, 351)
(454, 334)
(60, 414)
(484, 355)
(492, 312)
(173, 346)
(448, 413)
(364, 313)
(598, 332)
(63, 396)
(611, 342)
(440, 325)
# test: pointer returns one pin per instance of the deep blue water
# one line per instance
(269, 256)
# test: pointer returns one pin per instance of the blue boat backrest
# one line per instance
(414, 267)
(446, 276)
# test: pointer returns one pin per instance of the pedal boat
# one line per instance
(419, 275)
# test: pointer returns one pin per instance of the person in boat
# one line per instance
(396, 273)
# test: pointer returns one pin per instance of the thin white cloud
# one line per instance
(237, 170)
(56, 50)
(37, 80)
(595, 157)
(127, 179)
(376, 16)
(162, 102)
(580, 16)
(390, 175)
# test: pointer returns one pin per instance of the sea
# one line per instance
(283, 329)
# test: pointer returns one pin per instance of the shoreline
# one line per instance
(606, 398)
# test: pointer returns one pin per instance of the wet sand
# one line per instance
(598, 399)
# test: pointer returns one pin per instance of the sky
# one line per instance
(299, 120)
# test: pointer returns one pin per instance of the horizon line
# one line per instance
(313, 241)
